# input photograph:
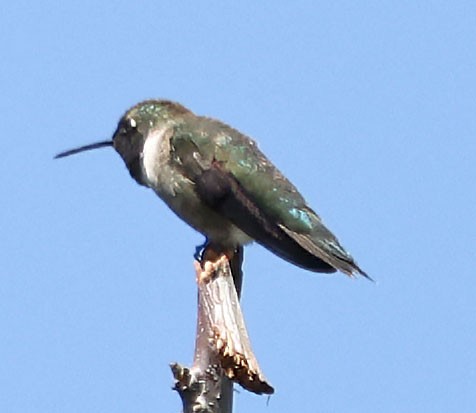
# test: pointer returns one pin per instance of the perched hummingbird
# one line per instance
(218, 181)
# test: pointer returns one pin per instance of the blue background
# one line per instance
(368, 107)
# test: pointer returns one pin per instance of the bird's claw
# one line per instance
(199, 249)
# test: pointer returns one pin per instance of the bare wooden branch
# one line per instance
(222, 347)
(229, 338)
(236, 266)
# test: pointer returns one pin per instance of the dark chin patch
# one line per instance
(136, 171)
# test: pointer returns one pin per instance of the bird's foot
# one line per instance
(213, 252)
(199, 250)
(210, 251)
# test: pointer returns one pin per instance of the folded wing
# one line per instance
(236, 180)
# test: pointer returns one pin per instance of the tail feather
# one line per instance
(324, 245)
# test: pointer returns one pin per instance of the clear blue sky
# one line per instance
(368, 107)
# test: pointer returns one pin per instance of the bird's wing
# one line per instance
(236, 179)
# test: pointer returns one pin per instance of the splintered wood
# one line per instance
(220, 319)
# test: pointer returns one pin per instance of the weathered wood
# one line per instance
(223, 353)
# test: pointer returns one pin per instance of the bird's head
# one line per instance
(133, 129)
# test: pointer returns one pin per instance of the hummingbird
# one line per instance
(217, 180)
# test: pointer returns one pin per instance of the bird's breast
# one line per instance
(178, 192)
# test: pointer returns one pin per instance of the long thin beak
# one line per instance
(84, 148)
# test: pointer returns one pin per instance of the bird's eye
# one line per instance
(127, 126)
